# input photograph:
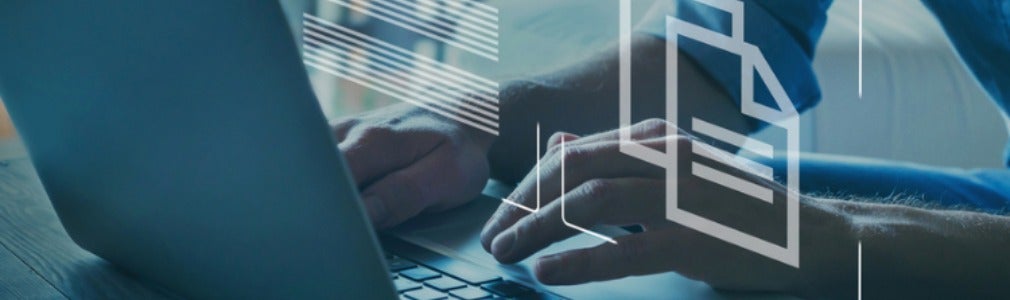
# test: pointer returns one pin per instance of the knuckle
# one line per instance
(553, 150)
(537, 220)
(654, 126)
(632, 249)
(598, 188)
(412, 189)
(530, 224)
(684, 143)
(578, 155)
(377, 132)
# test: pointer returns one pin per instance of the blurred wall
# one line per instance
(6, 128)
(919, 102)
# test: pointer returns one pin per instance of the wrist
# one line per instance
(828, 240)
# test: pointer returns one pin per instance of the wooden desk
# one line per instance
(37, 258)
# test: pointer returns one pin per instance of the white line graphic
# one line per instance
(732, 138)
(413, 8)
(563, 218)
(783, 114)
(489, 102)
(732, 182)
(438, 34)
(468, 19)
(859, 271)
(739, 162)
(537, 170)
(312, 42)
(860, 49)
(406, 81)
(405, 96)
(459, 75)
(438, 25)
(397, 84)
(481, 9)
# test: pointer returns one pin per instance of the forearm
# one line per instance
(583, 99)
(919, 253)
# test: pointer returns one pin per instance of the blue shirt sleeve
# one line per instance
(786, 32)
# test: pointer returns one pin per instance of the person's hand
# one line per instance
(608, 187)
(407, 160)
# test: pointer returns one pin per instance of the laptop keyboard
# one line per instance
(419, 282)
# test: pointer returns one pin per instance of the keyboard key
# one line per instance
(404, 284)
(397, 264)
(538, 296)
(472, 276)
(426, 294)
(444, 283)
(508, 289)
(420, 274)
(470, 293)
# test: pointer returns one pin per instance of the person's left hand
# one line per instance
(608, 187)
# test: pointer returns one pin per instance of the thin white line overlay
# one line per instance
(860, 49)
(565, 220)
(733, 138)
(487, 49)
(537, 170)
(729, 181)
(401, 74)
(313, 42)
(371, 43)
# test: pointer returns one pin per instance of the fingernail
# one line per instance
(503, 244)
(485, 237)
(546, 268)
(376, 211)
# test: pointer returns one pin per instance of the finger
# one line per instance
(618, 201)
(652, 128)
(375, 151)
(527, 201)
(405, 193)
(557, 137)
(645, 130)
(638, 254)
(583, 162)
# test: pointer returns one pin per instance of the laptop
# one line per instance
(182, 142)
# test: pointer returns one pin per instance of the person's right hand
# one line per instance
(406, 160)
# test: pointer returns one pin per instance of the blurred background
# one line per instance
(919, 103)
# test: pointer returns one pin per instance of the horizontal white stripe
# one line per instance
(312, 38)
(391, 89)
(729, 181)
(739, 162)
(489, 85)
(485, 51)
(732, 138)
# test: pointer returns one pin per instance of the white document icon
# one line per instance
(784, 116)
